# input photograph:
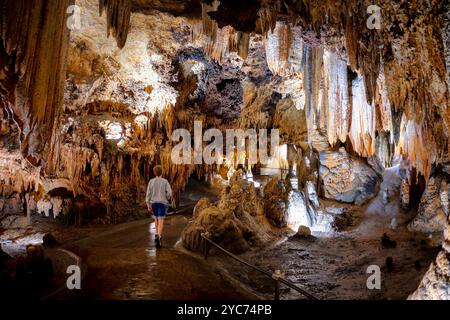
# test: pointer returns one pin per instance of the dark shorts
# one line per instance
(159, 210)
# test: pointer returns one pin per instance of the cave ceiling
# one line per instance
(299, 37)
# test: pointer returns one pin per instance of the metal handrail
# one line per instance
(277, 276)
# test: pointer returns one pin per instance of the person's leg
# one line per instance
(160, 226)
(156, 225)
(162, 217)
(155, 216)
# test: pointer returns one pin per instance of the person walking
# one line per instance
(157, 198)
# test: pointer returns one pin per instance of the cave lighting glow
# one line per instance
(297, 211)
(113, 129)
(250, 179)
(18, 246)
(277, 162)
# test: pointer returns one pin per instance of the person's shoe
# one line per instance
(158, 242)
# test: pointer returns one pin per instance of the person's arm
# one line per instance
(168, 191)
(148, 197)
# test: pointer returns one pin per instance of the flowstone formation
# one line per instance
(434, 206)
(345, 179)
(238, 221)
(246, 216)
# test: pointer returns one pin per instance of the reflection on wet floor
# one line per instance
(123, 263)
(151, 244)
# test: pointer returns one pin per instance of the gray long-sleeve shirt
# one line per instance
(158, 190)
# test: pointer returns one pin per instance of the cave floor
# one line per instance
(123, 263)
(333, 265)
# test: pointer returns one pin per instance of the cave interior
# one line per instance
(309, 137)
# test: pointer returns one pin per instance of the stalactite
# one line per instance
(268, 15)
(384, 105)
(312, 80)
(351, 43)
(417, 145)
(36, 38)
(118, 15)
(308, 83)
(385, 148)
(239, 43)
(362, 129)
(399, 80)
(218, 48)
(337, 94)
(218, 42)
(278, 48)
(296, 59)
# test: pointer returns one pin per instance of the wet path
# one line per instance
(123, 263)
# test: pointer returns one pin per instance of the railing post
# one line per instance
(277, 290)
(205, 244)
(277, 275)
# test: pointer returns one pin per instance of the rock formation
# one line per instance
(33, 55)
(238, 221)
(91, 92)
(346, 179)
(433, 208)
